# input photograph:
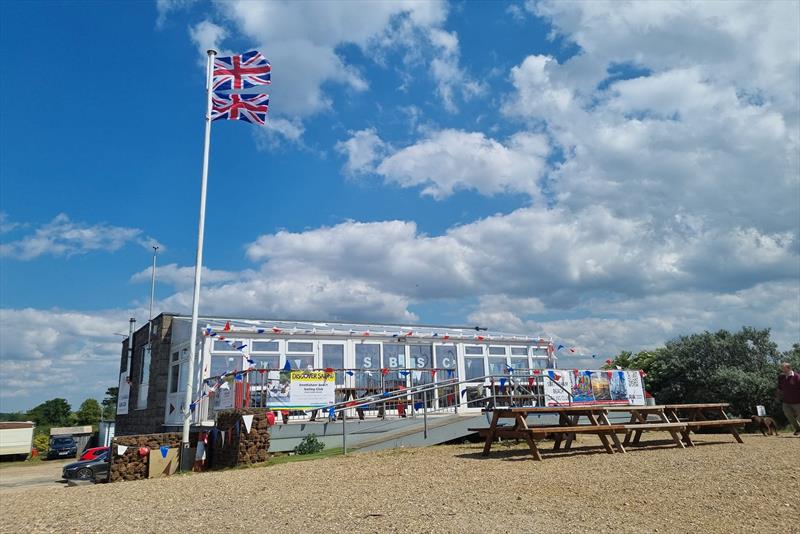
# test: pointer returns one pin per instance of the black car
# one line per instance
(96, 469)
(62, 447)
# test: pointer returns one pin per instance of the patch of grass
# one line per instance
(36, 460)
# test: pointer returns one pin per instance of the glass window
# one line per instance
(333, 356)
(519, 363)
(497, 351)
(300, 361)
(474, 368)
(473, 349)
(394, 357)
(446, 357)
(368, 361)
(519, 351)
(420, 356)
(300, 346)
(177, 377)
(540, 363)
(497, 365)
(266, 362)
(220, 345)
(222, 363)
(264, 346)
(174, 358)
(173, 379)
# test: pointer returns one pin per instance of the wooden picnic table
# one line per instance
(569, 416)
(703, 415)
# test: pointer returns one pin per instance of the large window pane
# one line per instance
(264, 346)
(222, 363)
(300, 346)
(368, 361)
(473, 349)
(300, 361)
(333, 356)
(497, 351)
(474, 368)
(394, 357)
(497, 365)
(266, 362)
(446, 357)
(519, 351)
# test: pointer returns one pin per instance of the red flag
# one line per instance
(227, 326)
(642, 373)
(276, 329)
(536, 371)
(446, 337)
(479, 338)
(384, 371)
(329, 369)
(366, 333)
(531, 380)
(433, 374)
(410, 333)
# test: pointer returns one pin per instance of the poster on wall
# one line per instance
(124, 394)
(593, 387)
(302, 390)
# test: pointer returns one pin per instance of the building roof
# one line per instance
(249, 327)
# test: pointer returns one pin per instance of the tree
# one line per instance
(89, 413)
(739, 368)
(55, 412)
(110, 404)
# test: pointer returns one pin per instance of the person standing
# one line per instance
(789, 394)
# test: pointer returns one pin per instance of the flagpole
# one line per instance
(198, 266)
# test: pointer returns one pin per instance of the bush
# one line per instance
(309, 445)
(42, 443)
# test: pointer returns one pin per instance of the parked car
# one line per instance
(96, 470)
(62, 447)
(94, 452)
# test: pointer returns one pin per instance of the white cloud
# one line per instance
(6, 225)
(47, 353)
(451, 160)
(183, 277)
(363, 149)
(207, 36)
(64, 237)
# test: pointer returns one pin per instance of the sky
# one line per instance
(608, 175)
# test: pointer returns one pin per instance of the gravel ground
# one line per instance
(718, 486)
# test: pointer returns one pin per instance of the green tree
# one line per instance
(110, 404)
(89, 413)
(41, 443)
(55, 412)
(739, 368)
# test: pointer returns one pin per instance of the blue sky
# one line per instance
(608, 177)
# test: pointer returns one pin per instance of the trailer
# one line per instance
(16, 438)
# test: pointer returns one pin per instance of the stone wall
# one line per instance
(241, 447)
(131, 466)
(151, 418)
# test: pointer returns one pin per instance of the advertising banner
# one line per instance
(123, 394)
(593, 387)
(302, 390)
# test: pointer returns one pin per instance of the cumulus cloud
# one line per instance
(73, 353)
(451, 160)
(183, 277)
(64, 237)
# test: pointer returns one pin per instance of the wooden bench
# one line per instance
(536, 430)
(697, 418)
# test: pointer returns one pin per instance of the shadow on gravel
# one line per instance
(521, 452)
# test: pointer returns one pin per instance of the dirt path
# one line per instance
(20, 477)
(717, 487)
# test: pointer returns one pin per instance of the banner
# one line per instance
(124, 394)
(302, 390)
(593, 387)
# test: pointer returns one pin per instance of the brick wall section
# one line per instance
(150, 419)
(131, 466)
(242, 448)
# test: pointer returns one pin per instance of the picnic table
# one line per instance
(569, 416)
(703, 415)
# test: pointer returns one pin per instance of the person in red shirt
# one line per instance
(789, 394)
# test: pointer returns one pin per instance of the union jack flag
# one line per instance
(250, 108)
(244, 71)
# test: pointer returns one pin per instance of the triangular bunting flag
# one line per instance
(121, 449)
(164, 450)
(227, 326)
(171, 408)
(248, 422)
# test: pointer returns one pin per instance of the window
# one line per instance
(272, 362)
(298, 346)
(333, 356)
(223, 346)
(222, 363)
(177, 376)
(368, 361)
(497, 361)
(519, 351)
(144, 379)
(300, 354)
(264, 346)
(446, 357)
(474, 366)
(394, 357)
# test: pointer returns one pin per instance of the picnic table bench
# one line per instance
(666, 419)
(695, 416)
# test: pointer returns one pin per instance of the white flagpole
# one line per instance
(198, 266)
